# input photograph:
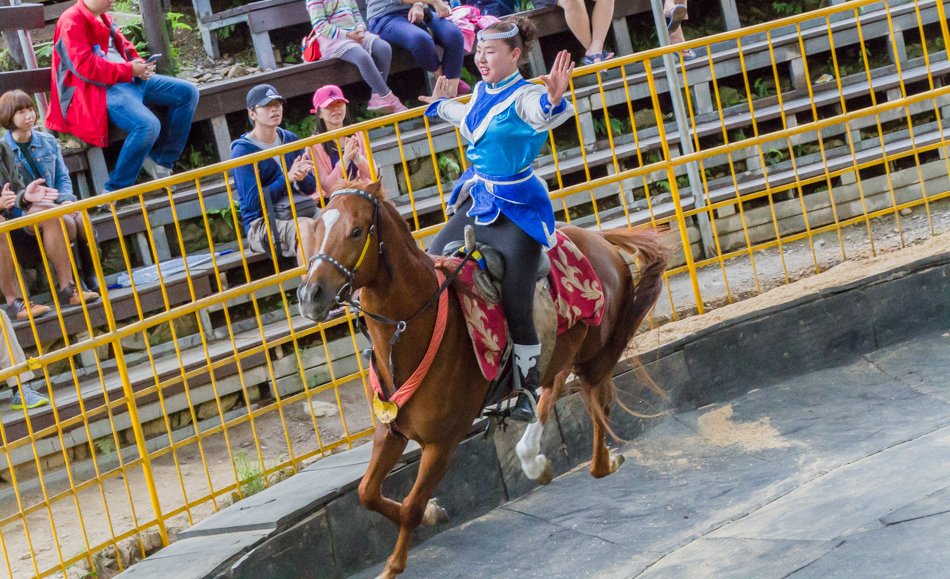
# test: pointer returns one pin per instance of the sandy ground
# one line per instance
(107, 511)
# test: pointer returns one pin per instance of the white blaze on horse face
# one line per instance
(528, 450)
(329, 217)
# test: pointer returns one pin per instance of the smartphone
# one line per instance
(154, 58)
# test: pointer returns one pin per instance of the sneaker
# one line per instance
(156, 171)
(70, 294)
(387, 104)
(27, 398)
(22, 309)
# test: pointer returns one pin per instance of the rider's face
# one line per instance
(496, 60)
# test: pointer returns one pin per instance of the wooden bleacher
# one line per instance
(228, 97)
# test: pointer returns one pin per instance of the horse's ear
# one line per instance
(375, 188)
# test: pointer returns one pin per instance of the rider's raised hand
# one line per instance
(442, 90)
(559, 79)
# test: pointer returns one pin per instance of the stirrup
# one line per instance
(533, 403)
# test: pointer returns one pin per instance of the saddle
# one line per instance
(568, 292)
(491, 266)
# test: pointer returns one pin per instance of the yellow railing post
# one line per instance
(129, 394)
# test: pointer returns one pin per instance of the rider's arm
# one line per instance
(449, 110)
(533, 106)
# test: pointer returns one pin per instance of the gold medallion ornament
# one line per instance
(385, 411)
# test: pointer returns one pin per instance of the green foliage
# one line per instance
(763, 87)
(774, 156)
(126, 6)
(174, 20)
(104, 445)
(44, 55)
(784, 9)
(196, 156)
(449, 167)
(6, 61)
(303, 127)
(225, 32)
(250, 477)
(617, 127)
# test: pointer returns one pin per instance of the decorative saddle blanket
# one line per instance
(575, 288)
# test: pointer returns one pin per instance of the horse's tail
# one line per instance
(647, 247)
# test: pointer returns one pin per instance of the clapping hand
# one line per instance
(417, 13)
(439, 91)
(301, 167)
(37, 192)
(441, 8)
(7, 197)
(350, 151)
(559, 78)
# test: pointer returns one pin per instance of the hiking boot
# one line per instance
(27, 398)
(22, 309)
(70, 295)
(527, 380)
(387, 104)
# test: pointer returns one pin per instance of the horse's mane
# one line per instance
(376, 189)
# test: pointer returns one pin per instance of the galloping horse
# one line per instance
(365, 243)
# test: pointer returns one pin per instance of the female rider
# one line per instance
(506, 123)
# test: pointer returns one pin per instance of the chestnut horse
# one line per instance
(365, 244)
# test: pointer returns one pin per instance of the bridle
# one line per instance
(345, 295)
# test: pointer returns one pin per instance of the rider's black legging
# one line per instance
(522, 254)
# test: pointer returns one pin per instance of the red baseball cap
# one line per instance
(326, 96)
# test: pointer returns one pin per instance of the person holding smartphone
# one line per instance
(98, 78)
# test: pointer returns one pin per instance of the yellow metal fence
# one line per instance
(809, 141)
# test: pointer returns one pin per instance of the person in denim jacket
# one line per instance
(36, 158)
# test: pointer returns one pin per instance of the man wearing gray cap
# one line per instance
(280, 176)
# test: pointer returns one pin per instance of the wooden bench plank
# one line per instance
(22, 17)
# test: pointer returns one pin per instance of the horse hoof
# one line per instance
(616, 459)
(547, 475)
(434, 513)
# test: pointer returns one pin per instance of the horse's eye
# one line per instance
(356, 233)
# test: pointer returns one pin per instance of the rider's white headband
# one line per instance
(510, 33)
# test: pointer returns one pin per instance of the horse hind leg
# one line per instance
(417, 506)
(599, 397)
(535, 465)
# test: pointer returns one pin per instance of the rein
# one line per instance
(345, 297)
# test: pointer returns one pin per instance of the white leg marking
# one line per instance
(528, 450)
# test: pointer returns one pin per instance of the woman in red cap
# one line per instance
(334, 161)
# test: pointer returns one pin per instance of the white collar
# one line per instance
(504, 83)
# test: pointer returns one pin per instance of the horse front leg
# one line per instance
(417, 507)
(535, 465)
(387, 449)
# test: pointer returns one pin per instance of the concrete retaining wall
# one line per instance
(311, 525)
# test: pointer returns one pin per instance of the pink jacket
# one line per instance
(330, 177)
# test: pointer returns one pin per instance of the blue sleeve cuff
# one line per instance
(548, 110)
(433, 109)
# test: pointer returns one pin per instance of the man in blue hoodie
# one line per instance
(265, 108)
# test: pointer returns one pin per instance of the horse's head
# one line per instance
(347, 236)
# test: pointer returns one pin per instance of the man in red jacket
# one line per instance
(98, 78)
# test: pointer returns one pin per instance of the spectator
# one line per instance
(342, 34)
(418, 27)
(591, 37)
(265, 108)
(16, 199)
(331, 157)
(11, 354)
(98, 78)
(38, 156)
(496, 8)
(675, 13)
